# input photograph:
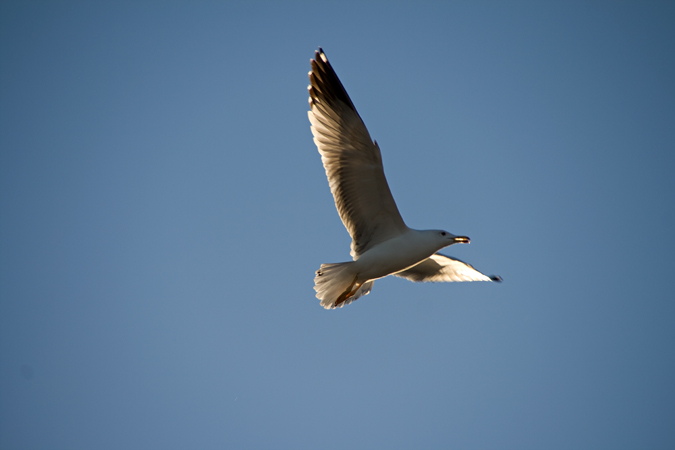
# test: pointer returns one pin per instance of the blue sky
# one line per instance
(163, 209)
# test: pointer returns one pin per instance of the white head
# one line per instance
(445, 238)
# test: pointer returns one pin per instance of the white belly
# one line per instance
(394, 256)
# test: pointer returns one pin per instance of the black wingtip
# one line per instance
(496, 278)
(327, 86)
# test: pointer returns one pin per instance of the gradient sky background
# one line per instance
(163, 210)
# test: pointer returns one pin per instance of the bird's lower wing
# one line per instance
(441, 268)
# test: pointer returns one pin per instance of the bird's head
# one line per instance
(448, 238)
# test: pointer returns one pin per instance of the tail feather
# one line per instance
(333, 280)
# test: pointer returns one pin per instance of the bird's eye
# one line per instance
(443, 233)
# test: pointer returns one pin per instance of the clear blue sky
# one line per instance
(163, 209)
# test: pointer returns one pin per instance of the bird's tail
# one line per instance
(336, 285)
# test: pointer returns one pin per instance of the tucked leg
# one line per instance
(350, 291)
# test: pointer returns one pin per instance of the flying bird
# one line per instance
(382, 244)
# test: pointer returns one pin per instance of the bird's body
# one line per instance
(381, 242)
(400, 253)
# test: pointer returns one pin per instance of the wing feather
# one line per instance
(352, 160)
(441, 268)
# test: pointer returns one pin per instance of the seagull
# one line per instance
(382, 244)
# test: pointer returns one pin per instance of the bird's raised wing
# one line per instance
(439, 268)
(352, 161)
